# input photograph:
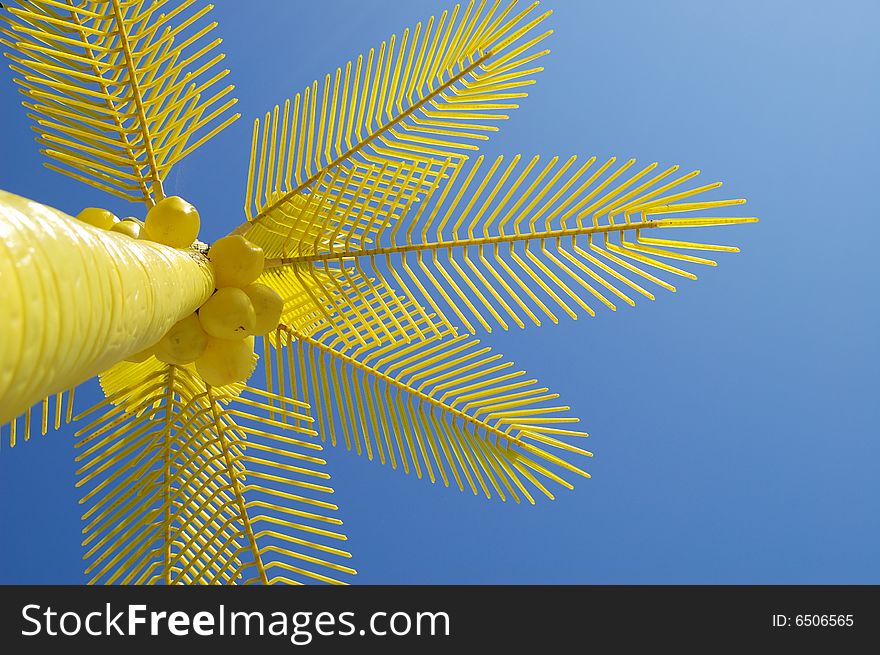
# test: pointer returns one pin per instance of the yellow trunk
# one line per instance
(75, 299)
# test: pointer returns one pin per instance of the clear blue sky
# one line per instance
(735, 423)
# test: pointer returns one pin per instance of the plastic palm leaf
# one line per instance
(444, 408)
(515, 242)
(117, 94)
(387, 242)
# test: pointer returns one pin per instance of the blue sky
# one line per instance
(734, 423)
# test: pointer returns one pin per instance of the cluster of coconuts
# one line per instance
(172, 221)
(219, 337)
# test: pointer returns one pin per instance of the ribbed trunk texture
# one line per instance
(75, 299)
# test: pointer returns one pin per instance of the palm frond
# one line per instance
(515, 243)
(348, 155)
(150, 494)
(443, 407)
(193, 484)
(283, 489)
(119, 91)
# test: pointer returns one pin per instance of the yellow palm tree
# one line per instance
(388, 244)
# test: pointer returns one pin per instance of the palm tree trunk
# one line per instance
(75, 299)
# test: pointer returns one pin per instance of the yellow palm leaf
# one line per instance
(192, 484)
(514, 241)
(119, 91)
(444, 408)
(351, 153)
